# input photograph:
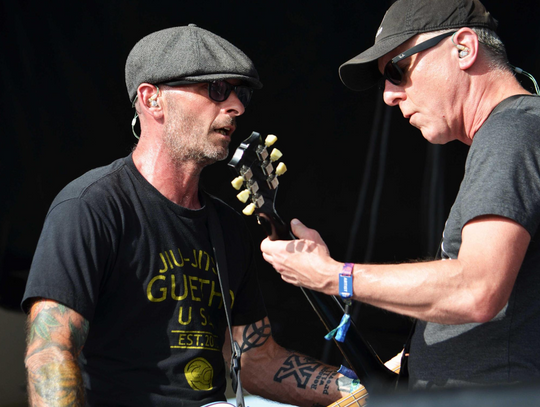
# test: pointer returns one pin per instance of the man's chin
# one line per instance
(435, 138)
(224, 154)
(219, 155)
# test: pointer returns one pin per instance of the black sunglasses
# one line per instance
(393, 73)
(219, 91)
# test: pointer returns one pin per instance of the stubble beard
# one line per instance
(187, 140)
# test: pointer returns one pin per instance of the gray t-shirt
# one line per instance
(502, 177)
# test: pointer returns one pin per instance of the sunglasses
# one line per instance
(219, 91)
(393, 73)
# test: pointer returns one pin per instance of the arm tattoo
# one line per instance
(299, 367)
(256, 335)
(324, 379)
(56, 336)
(78, 335)
(57, 384)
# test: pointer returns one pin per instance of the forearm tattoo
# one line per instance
(256, 335)
(323, 380)
(56, 336)
(301, 368)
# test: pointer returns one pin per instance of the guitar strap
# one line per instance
(216, 238)
(403, 377)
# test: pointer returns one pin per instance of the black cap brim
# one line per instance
(362, 72)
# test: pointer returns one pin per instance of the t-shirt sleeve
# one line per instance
(71, 256)
(502, 175)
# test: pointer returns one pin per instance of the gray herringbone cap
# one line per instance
(186, 53)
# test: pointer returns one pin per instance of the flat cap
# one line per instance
(402, 21)
(186, 53)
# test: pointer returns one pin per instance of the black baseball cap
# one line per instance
(402, 21)
(187, 53)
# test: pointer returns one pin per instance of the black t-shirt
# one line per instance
(141, 270)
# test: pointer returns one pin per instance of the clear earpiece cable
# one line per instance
(134, 121)
(528, 75)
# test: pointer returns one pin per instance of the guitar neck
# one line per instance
(257, 171)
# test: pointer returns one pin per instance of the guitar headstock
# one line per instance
(256, 164)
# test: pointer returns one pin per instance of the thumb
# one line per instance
(300, 230)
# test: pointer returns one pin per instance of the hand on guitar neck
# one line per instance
(257, 176)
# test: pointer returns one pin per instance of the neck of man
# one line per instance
(177, 181)
(490, 90)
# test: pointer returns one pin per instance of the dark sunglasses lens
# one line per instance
(393, 73)
(219, 91)
(244, 94)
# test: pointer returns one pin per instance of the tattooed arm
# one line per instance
(56, 335)
(270, 371)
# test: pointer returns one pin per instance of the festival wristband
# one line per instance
(345, 281)
(345, 291)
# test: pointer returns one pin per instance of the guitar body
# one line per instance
(255, 169)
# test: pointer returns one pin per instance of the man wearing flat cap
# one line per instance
(476, 306)
(124, 299)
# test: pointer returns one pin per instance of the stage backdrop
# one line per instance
(65, 110)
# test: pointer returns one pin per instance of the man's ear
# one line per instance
(148, 96)
(466, 47)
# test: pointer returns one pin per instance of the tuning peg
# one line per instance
(248, 210)
(243, 196)
(270, 140)
(275, 155)
(237, 183)
(281, 169)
